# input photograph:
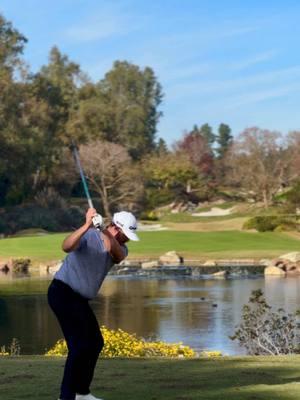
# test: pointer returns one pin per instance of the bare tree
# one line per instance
(258, 162)
(293, 152)
(109, 169)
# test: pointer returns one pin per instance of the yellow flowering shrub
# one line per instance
(118, 343)
(3, 351)
(211, 354)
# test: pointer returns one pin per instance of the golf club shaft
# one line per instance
(83, 180)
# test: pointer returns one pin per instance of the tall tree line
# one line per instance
(114, 123)
(42, 113)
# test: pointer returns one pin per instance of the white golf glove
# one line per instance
(98, 221)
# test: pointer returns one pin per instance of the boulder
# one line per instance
(278, 263)
(266, 261)
(53, 267)
(171, 258)
(149, 264)
(21, 265)
(293, 257)
(295, 271)
(210, 263)
(290, 267)
(221, 274)
(274, 271)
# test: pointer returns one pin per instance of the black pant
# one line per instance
(83, 337)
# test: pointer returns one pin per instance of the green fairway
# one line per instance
(233, 244)
(228, 378)
(41, 248)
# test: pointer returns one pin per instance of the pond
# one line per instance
(201, 313)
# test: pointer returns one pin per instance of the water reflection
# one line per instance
(170, 309)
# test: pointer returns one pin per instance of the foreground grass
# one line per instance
(198, 245)
(247, 378)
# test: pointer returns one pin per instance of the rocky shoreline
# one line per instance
(200, 271)
(172, 265)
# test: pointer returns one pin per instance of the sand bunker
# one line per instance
(151, 227)
(214, 212)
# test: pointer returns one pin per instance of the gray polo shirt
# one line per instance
(85, 268)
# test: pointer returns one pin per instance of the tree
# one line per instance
(224, 140)
(168, 177)
(11, 46)
(131, 99)
(293, 152)
(109, 169)
(207, 133)
(54, 94)
(13, 155)
(292, 198)
(58, 84)
(161, 147)
(195, 147)
(257, 162)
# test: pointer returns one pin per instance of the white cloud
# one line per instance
(238, 31)
(206, 87)
(108, 21)
(98, 29)
(262, 95)
(254, 60)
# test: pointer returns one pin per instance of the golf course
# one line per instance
(191, 244)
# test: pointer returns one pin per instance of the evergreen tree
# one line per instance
(161, 147)
(224, 140)
(207, 133)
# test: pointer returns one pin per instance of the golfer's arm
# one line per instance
(113, 247)
(71, 242)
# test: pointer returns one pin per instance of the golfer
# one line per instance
(91, 255)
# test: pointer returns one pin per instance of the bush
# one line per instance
(155, 197)
(149, 216)
(14, 349)
(36, 216)
(266, 223)
(118, 343)
(264, 332)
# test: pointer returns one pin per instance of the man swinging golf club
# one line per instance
(91, 255)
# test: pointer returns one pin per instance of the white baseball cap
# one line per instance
(127, 223)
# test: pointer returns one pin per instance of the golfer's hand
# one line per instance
(91, 212)
(72, 241)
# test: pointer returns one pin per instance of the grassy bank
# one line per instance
(233, 244)
(247, 378)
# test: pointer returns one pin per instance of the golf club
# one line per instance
(97, 219)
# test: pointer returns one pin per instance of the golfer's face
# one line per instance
(121, 238)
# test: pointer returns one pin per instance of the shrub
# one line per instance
(36, 216)
(264, 332)
(149, 216)
(3, 351)
(266, 223)
(122, 344)
(14, 349)
(211, 354)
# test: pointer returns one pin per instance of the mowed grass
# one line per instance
(197, 245)
(228, 378)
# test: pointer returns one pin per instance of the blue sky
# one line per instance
(236, 62)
